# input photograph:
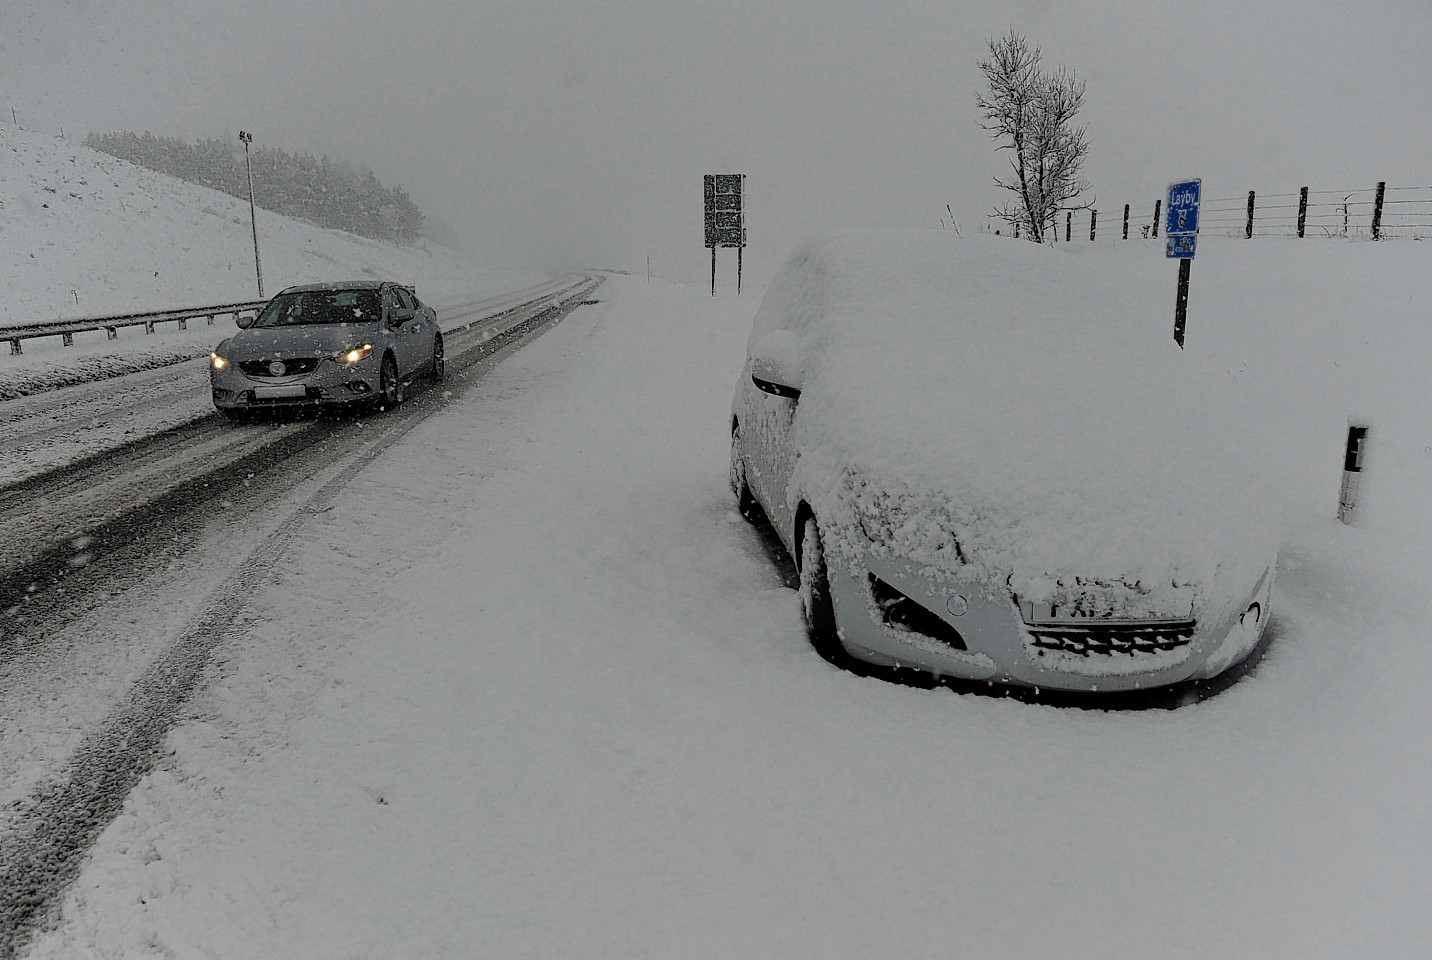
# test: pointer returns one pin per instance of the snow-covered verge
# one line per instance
(85, 234)
(22, 380)
(1317, 333)
(531, 688)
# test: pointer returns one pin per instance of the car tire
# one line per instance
(816, 602)
(438, 372)
(234, 416)
(390, 388)
(746, 501)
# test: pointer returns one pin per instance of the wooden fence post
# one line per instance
(1068, 225)
(1093, 222)
(1158, 206)
(1302, 211)
(1126, 221)
(1377, 210)
(1249, 232)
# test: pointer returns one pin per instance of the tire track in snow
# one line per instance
(56, 826)
(156, 394)
(112, 490)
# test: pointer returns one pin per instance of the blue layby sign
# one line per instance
(1181, 227)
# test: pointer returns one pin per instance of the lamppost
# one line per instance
(247, 139)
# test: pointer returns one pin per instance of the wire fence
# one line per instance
(1377, 212)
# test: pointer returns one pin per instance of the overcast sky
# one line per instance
(564, 134)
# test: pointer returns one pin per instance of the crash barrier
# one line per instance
(111, 323)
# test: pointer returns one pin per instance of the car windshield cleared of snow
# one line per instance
(320, 306)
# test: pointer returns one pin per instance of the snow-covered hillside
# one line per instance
(82, 233)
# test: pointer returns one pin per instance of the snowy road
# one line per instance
(95, 661)
(528, 686)
(83, 459)
(54, 428)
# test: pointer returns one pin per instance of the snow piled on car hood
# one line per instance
(1004, 397)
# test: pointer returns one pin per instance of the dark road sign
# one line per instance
(725, 210)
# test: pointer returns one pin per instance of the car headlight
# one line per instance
(356, 354)
(218, 362)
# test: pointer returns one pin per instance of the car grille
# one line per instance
(1111, 639)
(296, 367)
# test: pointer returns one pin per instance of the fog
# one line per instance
(576, 134)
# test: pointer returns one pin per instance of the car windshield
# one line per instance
(320, 306)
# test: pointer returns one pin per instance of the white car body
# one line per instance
(1010, 481)
(328, 344)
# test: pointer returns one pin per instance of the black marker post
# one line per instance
(1181, 243)
(1180, 307)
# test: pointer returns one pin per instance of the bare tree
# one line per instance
(1031, 113)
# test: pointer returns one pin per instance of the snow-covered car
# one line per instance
(328, 344)
(988, 465)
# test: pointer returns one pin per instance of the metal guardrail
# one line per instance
(112, 322)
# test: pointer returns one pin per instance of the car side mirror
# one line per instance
(775, 365)
(401, 315)
(245, 320)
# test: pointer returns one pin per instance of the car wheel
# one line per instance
(390, 388)
(234, 416)
(816, 602)
(438, 371)
(745, 500)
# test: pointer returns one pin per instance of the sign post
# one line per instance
(726, 219)
(1181, 244)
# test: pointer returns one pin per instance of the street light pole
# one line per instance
(247, 139)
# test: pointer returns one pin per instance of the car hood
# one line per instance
(1004, 398)
(301, 340)
(1069, 550)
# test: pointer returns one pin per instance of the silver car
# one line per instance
(976, 481)
(325, 344)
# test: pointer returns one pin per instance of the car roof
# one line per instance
(346, 285)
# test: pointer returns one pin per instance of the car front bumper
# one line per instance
(330, 382)
(969, 633)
